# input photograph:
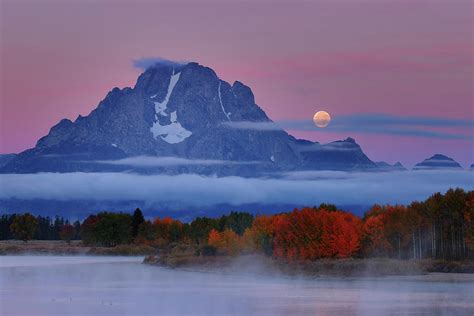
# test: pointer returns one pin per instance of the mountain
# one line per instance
(5, 159)
(383, 166)
(180, 111)
(438, 161)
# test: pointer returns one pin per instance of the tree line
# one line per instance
(26, 226)
(441, 227)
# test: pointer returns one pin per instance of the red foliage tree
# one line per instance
(67, 233)
(311, 234)
(88, 228)
(345, 234)
(373, 236)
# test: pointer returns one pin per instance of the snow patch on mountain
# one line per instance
(220, 101)
(160, 107)
(172, 133)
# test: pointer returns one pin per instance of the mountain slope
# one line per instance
(178, 110)
(6, 158)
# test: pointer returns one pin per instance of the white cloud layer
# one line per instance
(299, 188)
(150, 161)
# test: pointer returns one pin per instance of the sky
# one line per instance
(409, 62)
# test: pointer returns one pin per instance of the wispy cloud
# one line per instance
(260, 126)
(372, 123)
(391, 120)
(332, 147)
(147, 62)
(148, 161)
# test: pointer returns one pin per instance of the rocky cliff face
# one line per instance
(178, 110)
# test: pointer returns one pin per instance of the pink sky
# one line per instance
(405, 58)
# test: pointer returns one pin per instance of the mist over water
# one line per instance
(64, 285)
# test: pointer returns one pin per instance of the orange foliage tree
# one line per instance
(259, 237)
(168, 230)
(226, 242)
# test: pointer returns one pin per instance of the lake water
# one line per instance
(66, 285)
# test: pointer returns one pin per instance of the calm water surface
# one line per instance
(64, 285)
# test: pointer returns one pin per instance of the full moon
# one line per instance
(321, 119)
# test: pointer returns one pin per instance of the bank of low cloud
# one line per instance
(299, 188)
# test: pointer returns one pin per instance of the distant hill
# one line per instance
(438, 161)
(384, 166)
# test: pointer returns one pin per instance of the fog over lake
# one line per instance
(67, 285)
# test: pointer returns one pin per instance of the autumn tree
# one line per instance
(226, 242)
(374, 241)
(24, 226)
(67, 233)
(259, 237)
(88, 230)
(345, 234)
(310, 234)
(169, 230)
(107, 229)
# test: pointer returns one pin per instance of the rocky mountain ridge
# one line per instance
(180, 111)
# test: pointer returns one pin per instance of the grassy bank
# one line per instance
(53, 247)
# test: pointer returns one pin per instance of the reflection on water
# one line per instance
(31, 285)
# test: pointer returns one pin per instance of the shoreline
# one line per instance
(250, 264)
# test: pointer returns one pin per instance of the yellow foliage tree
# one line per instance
(226, 242)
